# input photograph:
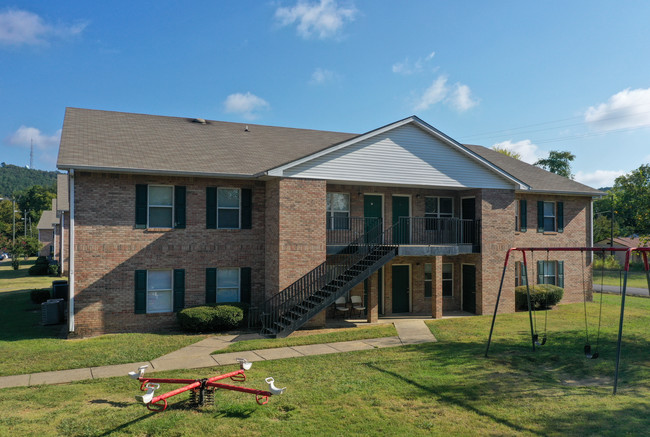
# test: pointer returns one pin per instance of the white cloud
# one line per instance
(598, 178)
(245, 104)
(407, 67)
(324, 19)
(24, 137)
(528, 151)
(321, 76)
(18, 27)
(460, 97)
(626, 109)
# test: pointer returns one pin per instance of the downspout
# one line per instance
(591, 231)
(62, 243)
(71, 266)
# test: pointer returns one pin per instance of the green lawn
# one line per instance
(615, 277)
(443, 388)
(11, 280)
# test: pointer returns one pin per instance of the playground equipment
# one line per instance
(201, 390)
(534, 337)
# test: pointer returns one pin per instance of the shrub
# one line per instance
(53, 269)
(608, 263)
(40, 267)
(542, 296)
(211, 318)
(40, 295)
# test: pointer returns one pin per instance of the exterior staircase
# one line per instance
(292, 307)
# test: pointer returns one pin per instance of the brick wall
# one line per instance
(46, 238)
(108, 249)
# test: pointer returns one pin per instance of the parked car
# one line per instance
(4, 256)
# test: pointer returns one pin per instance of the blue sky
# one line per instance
(530, 76)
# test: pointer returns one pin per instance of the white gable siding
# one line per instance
(406, 155)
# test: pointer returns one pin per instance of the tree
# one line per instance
(603, 228)
(557, 162)
(507, 152)
(7, 219)
(631, 200)
(35, 200)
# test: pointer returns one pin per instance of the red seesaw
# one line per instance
(201, 390)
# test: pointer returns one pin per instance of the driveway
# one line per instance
(630, 291)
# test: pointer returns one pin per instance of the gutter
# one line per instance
(71, 263)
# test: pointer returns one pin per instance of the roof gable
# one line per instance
(408, 152)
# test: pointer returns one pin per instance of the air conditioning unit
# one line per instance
(52, 311)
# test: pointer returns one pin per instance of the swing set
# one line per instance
(534, 335)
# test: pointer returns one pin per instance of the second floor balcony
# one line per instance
(415, 236)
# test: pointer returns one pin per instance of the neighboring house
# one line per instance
(169, 212)
(47, 231)
(626, 243)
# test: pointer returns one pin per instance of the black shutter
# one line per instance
(210, 285)
(245, 285)
(523, 217)
(141, 206)
(540, 273)
(540, 216)
(246, 208)
(211, 208)
(140, 291)
(560, 216)
(560, 274)
(179, 206)
(179, 289)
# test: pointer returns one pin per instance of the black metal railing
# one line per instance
(344, 230)
(436, 231)
(315, 291)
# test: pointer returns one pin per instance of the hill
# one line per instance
(14, 178)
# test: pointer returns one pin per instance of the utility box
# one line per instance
(60, 290)
(51, 312)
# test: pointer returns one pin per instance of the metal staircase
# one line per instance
(292, 307)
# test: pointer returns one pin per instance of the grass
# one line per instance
(635, 279)
(11, 280)
(443, 388)
(386, 330)
(27, 346)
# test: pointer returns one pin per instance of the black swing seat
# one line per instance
(588, 353)
(537, 342)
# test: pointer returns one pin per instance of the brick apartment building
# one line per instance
(166, 213)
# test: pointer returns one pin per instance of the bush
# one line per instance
(40, 295)
(608, 263)
(41, 267)
(542, 296)
(53, 269)
(211, 318)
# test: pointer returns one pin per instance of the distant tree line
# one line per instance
(14, 179)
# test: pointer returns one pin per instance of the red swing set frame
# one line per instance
(628, 252)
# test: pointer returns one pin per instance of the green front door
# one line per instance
(401, 281)
(401, 234)
(372, 211)
(469, 288)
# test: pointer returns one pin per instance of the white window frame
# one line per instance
(238, 269)
(171, 292)
(150, 205)
(519, 274)
(229, 207)
(555, 272)
(331, 212)
(554, 216)
(448, 280)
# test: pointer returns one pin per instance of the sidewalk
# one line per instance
(198, 355)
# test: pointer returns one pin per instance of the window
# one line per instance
(159, 291)
(428, 280)
(521, 219)
(550, 272)
(520, 275)
(228, 208)
(338, 211)
(550, 216)
(161, 206)
(228, 285)
(447, 280)
(435, 208)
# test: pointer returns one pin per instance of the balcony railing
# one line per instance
(409, 231)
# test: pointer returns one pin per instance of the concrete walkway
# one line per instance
(199, 355)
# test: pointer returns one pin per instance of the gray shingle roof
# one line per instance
(62, 202)
(538, 179)
(48, 220)
(122, 141)
(139, 142)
